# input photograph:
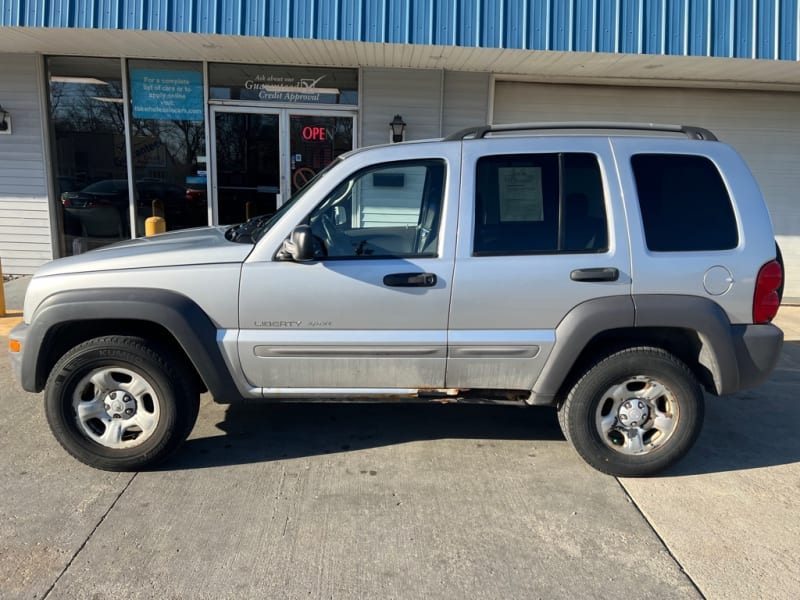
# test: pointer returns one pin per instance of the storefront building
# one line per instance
(213, 111)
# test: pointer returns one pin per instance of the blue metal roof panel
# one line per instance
(766, 29)
(766, 25)
(788, 33)
(607, 25)
(744, 29)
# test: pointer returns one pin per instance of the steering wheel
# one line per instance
(338, 243)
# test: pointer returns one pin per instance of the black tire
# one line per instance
(615, 389)
(153, 410)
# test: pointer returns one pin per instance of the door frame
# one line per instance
(284, 132)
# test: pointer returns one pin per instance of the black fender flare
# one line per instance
(722, 351)
(190, 326)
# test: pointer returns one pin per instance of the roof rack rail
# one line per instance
(690, 131)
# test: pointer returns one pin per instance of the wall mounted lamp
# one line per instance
(5, 121)
(397, 129)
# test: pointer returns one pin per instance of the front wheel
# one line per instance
(115, 404)
(634, 413)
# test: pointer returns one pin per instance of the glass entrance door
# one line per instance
(261, 156)
(315, 140)
(247, 179)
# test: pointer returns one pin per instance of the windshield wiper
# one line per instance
(243, 233)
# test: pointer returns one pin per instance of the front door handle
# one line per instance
(597, 274)
(410, 280)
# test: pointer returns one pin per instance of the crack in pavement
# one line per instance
(88, 537)
(660, 539)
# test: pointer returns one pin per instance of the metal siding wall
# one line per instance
(24, 213)
(765, 29)
(466, 96)
(414, 94)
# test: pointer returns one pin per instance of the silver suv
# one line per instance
(612, 271)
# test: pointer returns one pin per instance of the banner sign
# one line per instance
(175, 95)
(284, 85)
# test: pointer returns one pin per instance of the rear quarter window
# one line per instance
(684, 203)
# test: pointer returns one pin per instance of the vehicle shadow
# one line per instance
(264, 432)
(749, 430)
(752, 429)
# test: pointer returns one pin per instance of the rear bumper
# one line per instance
(757, 348)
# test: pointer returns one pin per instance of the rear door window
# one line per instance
(539, 204)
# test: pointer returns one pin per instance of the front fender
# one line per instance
(190, 326)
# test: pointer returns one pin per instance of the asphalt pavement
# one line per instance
(415, 501)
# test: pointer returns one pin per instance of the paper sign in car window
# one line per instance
(520, 193)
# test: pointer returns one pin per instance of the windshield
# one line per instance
(264, 226)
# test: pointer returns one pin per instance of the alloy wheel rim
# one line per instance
(116, 407)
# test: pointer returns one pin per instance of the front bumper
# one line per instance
(19, 333)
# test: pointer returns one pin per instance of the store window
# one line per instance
(90, 150)
(168, 142)
(89, 153)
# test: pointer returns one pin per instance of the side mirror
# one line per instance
(299, 246)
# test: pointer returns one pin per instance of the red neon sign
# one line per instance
(314, 134)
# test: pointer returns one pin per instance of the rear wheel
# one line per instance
(634, 413)
(114, 403)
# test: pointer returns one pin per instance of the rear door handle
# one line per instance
(410, 280)
(596, 274)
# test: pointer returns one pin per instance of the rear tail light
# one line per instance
(765, 299)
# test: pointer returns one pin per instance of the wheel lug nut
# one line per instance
(128, 411)
(113, 395)
(106, 406)
(626, 405)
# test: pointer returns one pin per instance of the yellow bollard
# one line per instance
(2, 293)
(154, 225)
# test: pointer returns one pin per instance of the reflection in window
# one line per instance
(386, 211)
(90, 160)
(168, 143)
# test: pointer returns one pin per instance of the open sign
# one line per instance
(315, 134)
